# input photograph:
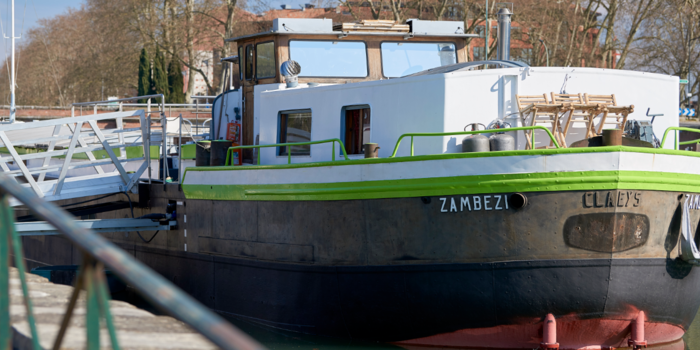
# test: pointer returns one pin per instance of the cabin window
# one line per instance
(249, 62)
(400, 58)
(339, 59)
(241, 62)
(265, 60)
(355, 128)
(295, 126)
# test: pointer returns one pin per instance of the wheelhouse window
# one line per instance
(249, 62)
(241, 62)
(265, 60)
(341, 59)
(400, 58)
(355, 128)
(295, 126)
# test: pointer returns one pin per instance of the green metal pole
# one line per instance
(486, 31)
(103, 298)
(92, 315)
(19, 264)
(5, 227)
(411, 146)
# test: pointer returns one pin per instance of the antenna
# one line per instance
(13, 108)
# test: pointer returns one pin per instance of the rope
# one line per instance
(132, 216)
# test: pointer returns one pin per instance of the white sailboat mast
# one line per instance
(12, 74)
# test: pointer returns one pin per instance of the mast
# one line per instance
(12, 74)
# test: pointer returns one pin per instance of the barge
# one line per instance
(538, 244)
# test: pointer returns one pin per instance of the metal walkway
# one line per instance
(83, 155)
(43, 228)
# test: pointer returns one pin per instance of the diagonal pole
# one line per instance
(5, 227)
(79, 283)
(21, 268)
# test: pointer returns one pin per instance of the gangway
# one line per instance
(80, 156)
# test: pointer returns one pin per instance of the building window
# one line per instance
(241, 60)
(355, 128)
(479, 53)
(515, 33)
(343, 59)
(522, 55)
(295, 126)
(265, 60)
(249, 62)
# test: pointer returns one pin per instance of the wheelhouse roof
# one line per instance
(341, 35)
(317, 26)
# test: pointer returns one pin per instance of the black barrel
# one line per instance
(202, 155)
(218, 152)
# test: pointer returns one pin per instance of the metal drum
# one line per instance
(202, 154)
(219, 148)
(475, 143)
(502, 142)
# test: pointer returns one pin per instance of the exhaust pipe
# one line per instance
(504, 34)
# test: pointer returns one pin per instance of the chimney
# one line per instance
(504, 34)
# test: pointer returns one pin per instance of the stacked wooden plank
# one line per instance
(373, 26)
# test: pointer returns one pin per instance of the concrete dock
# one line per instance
(136, 328)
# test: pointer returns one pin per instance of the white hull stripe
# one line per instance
(612, 161)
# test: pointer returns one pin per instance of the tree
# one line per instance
(175, 82)
(144, 75)
(160, 75)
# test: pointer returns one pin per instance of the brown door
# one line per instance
(247, 87)
(248, 120)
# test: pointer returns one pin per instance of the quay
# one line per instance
(135, 328)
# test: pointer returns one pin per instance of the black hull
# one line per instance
(397, 303)
(403, 270)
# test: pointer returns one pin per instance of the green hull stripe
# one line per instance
(535, 152)
(443, 186)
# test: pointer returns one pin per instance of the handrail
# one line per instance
(289, 154)
(97, 251)
(412, 135)
(676, 143)
(164, 122)
(90, 103)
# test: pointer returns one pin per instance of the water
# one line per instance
(276, 339)
(692, 336)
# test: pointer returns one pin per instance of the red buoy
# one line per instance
(549, 333)
(637, 340)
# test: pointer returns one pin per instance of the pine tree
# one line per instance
(160, 75)
(144, 86)
(175, 82)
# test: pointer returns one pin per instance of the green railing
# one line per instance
(412, 135)
(675, 135)
(98, 254)
(230, 151)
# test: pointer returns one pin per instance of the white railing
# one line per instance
(65, 139)
(161, 114)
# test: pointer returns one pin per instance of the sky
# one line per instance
(26, 14)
